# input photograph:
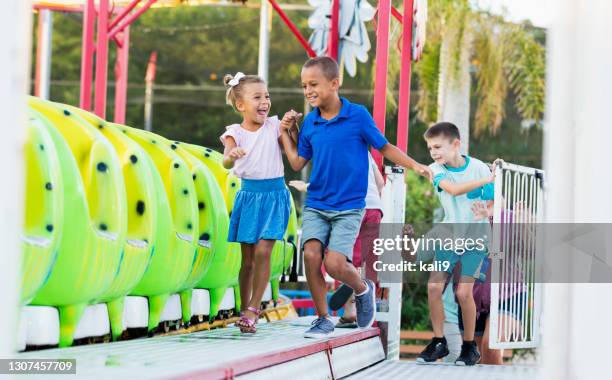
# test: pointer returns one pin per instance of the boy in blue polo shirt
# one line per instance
(335, 136)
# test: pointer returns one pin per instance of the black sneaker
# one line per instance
(469, 354)
(435, 350)
(340, 297)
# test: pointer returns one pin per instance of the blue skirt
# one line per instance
(261, 211)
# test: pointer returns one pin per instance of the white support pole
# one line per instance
(394, 212)
(264, 39)
(43, 66)
(148, 107)
(15, 44)
(576, 342)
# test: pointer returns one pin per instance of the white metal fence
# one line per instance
(515, 293)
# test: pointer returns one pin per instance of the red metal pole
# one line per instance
(382, 60)
(101, 60)
(87, 51)
(123, 13)
(117, 41)
(332, 48)
(293, 28)
(129, 19)
(398, 16)
(151, 66)
(121, 77)
(403, 105)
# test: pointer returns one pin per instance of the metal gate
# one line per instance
(516, 296)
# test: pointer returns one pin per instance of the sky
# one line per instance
(538, 11)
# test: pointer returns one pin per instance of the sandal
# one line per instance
(246, 325)
(345, 323)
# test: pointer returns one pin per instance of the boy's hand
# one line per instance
(491, 179)
(480, 210)
(493, 167)
(296, 118)
(290, 120)
(236, 153)
(301, 186)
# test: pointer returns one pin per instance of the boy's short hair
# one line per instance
(445, 129)
(328, 66)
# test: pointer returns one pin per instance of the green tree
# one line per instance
(466, 46)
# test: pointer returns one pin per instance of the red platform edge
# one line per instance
(257, 362)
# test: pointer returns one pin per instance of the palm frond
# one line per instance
(490, 46)
(507, 57)
(526, 68)
(446, 28)
(427, 72)
(455, 35)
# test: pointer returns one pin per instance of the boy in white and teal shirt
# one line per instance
(459, 181)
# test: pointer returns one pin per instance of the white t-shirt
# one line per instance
(458, 208)
(263, 159)
(372, 199)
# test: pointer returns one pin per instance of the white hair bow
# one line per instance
(236, 79)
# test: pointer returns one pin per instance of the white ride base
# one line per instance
(172, 309)
(267, 296)
(200, 302)
(21, 332)
(135, 312)
(94, 322)
(39, 326)
(228, 302)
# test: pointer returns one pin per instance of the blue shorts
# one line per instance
(336, 230)
(471, 261)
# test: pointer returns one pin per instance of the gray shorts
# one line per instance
(336, 230)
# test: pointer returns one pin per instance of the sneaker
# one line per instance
(435, 350)
(469, 354)
(321, 327)
(366, 306)
(340, 296)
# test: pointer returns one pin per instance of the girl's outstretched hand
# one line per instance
(287, 121)
(301, 186)
(425, 171)
(236, 153)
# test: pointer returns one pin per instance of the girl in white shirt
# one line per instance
(262, 206)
